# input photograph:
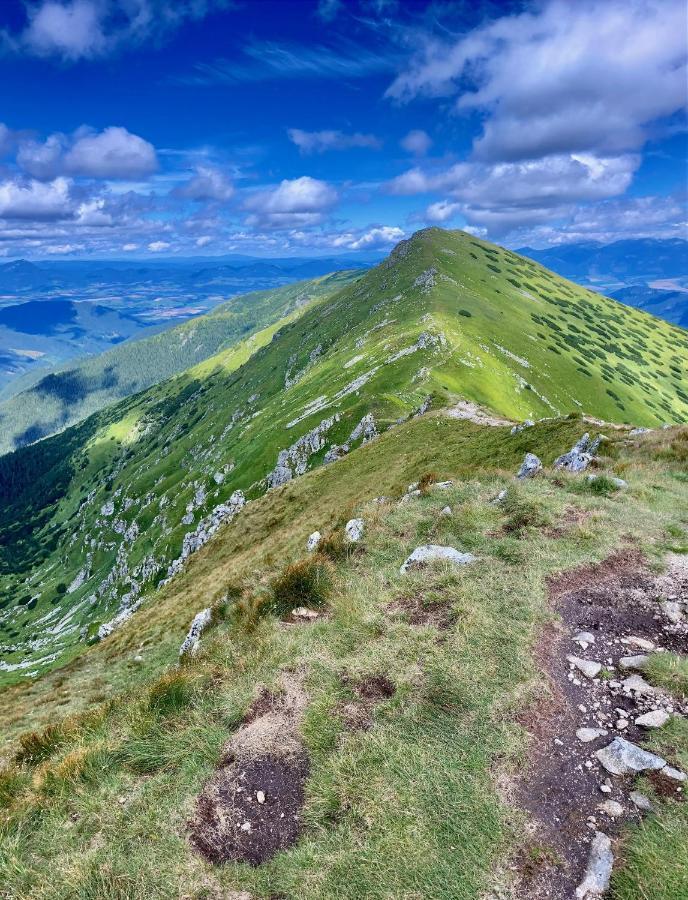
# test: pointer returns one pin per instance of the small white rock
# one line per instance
(313, 541)
(634, 641)
(588, 667)
(611, 808)
(354, 530)
(590, 734)
(260, 796)
(641, 801)
(655, 719)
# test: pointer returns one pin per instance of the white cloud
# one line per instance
(322, 141)
(129, 248)
(292, 204)
(373, 239)
(72, 30)
(590, 76)
(158, 246)
(207, 184)
(417, 142)
(204, 240)
(442, 211)
(62, 249)
(93, 213)
(35, 199)
(113, 153)
(83, 29)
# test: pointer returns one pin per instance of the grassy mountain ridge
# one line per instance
(72, 392)
(92, 520)
(99, 805)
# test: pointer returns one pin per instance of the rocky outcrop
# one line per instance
(580, 455)
(353, 531)
(294, 460)
(191, 642)
(206, 528)
(530, 467)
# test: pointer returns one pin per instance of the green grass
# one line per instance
(668, 671)
(381, 345)
(653, 854)
(408, 808)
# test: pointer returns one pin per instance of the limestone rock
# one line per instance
(584, 639)
(588, 667)
(590, 734)
(200, 622)
(530, 467)
(313, 541)
(431, 552)
(672, 611)
(654, 719)
(674, 774)
(633, 662)
(354, 530)
(621, 757)
(611, 808)
(638, 685)
(640, 801)
(579, 456)
(599, 869)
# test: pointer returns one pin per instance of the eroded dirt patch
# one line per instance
(368, 691)
(250, 808)
(417, 611)
(617, 602)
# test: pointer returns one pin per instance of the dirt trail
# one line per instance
(619, 604)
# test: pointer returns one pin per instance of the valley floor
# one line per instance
(392, 734)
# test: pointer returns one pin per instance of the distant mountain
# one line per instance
(67, 394)
(669, 305)
(93, 518)
(614, 268)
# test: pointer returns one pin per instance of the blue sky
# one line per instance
(144, 127)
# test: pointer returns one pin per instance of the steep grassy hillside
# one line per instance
(418, 692)
(93, 520)
(70, 393)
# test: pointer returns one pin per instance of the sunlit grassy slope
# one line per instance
(92, 518)
(98, 806)
(71, 393)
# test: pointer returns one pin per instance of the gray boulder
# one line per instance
(621, 757)
(530, 467)
(599, 869)
(191, 642)
(431, 552)
(313, 541)
(353, 530)
(579, 456)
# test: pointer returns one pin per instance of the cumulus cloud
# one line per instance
(417, 142)
(322, 141)
(35, 200)
(207, 184)
(204, 240)
(111, 153)
(83, 29)
(376, 238)
(590, 76)
(292, 204)
(158, 246)
(129, 248)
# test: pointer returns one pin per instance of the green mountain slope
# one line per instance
(70, 393)
(94, 519)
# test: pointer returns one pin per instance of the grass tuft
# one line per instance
(307, 582)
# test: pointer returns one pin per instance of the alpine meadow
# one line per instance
(343, 543)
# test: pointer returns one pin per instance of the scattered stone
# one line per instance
(641, 643)
(611, 808)
(590, 734)
(354, 530)
(588, 667)
(313, 541)
(636, 431)
(641, 801)
(606, 788)
(530, 467)
(674, 774)
(621, 757)
(657, 718)
(584, 639)
(443, 485)
(446, 511)
(302, 612)
(672, 610)
(633, 662)
(599, 869)
(517, 429)
(430, 552)
(637, 684)
(501, 497)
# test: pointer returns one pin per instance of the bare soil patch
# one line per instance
(250, 808)
(614, 601)
(416, 611)
(369, 691)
